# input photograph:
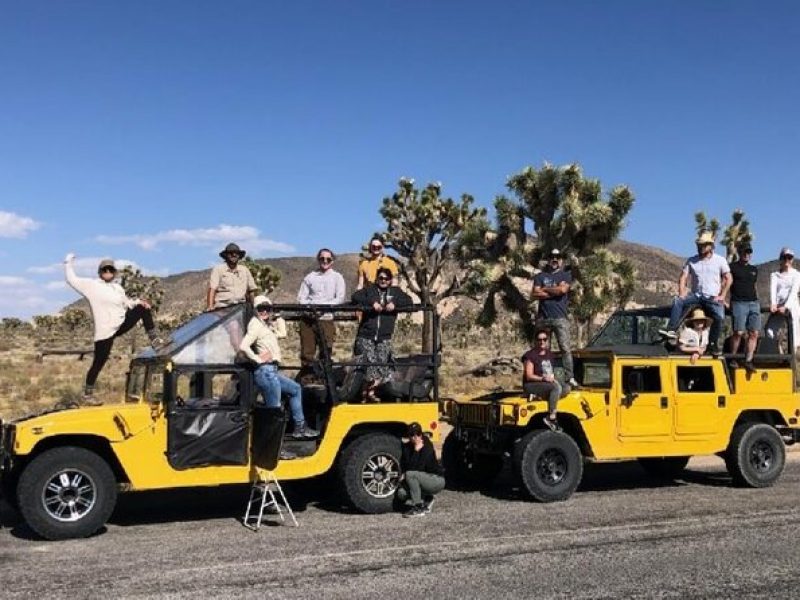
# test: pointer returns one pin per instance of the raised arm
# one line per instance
(82, 285)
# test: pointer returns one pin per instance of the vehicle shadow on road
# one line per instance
(605, 477)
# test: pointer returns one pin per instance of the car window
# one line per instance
(695, 379)
(155, 385)
(207, 388)
(136, 379)
(593, 372)
(644, 379)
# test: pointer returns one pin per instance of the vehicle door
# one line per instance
(699, 401)
(643, 404)
(208, 416)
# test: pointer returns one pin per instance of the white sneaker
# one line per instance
(668, 333)
(573, 384)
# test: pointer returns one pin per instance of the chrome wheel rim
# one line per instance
(380, 475)
(69, 495)
(552, 467)
(762, 456)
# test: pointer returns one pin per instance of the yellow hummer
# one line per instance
(191, 416)
(637, 399)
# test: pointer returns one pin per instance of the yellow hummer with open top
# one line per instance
(637, 399)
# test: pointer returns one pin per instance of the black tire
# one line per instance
(550, 465)
(66, 492)
(756, 455)
(466, 470)
(667, 467)
(369, 472)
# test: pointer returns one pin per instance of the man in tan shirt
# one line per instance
(230, 283)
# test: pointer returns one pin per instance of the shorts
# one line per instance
(746, 315)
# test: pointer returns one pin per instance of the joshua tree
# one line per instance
(267, 278)
(734, 234)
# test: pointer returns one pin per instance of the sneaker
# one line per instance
(287, 455)
(573, 384)
(90, 400)
(714, 350)
(670, 334)
(734, 363)
(552, 424)
(415, 511)
(427, 505)
(159, 342)
(302, 432)
(749, 366)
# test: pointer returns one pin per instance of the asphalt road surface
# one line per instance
(621, 535)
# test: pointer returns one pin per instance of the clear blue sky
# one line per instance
(155, 132)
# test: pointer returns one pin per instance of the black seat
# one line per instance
(412, 380)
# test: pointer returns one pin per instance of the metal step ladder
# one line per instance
(267, 495)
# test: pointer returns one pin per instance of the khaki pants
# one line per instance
(308, 340)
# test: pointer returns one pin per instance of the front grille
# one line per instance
(475, 414)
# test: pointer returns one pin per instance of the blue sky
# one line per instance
(155, 132)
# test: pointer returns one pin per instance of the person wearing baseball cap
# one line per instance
(704, 281)
(230, 283)
(113, 314)
(745, 308)
(784, 286)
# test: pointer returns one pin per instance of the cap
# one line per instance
(555, 253)
(786, 251)
(106, 262)
(261, 301)
(744, 248)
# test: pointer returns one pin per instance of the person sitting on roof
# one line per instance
(693, 338)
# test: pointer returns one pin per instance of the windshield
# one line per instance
(624, 329)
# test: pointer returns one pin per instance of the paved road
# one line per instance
(622, 534)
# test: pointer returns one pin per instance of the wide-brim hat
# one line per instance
(232, 248)
(705, 238)
(698, 315)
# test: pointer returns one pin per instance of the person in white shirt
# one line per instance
(703, 282)
(784, 287)
(263, 333)
(324, 285)
(113, 313)
(693, 338)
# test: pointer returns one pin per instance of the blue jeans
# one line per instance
(713, 309)
(272, 384)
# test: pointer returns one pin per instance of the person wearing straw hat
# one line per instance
(704, 281)
(230, 283)
(694, 334)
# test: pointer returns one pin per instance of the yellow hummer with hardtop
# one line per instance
(192, 416)
(637, 399)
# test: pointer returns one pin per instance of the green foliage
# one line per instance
(74, 318)
(267, 278)
(570, 213)
(144, 287)
(733, 235)
(702, 223)
(13, 324)
(45, 322)
(430, 232)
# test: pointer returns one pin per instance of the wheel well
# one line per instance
(98, 445)
(392, 428)
(571, 426)
(770, 417)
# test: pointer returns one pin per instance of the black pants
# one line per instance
(102, 348)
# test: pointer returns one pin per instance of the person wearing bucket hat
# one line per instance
(230, 283)
(704, 281)
(784, 302)
(694, 334)
(262, 334)
(113, 314)
(745, 309)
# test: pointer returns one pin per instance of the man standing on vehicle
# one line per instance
(230, 283)
(744, 304)
(704, 281)
(551, 288)
(324, 285)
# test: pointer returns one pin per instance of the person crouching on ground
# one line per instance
(263, 334)
(693, 338)
(422, 474)
(113, 313)
(538, 377)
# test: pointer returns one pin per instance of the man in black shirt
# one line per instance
(744, 304)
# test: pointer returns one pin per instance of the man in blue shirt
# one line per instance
(551, 288)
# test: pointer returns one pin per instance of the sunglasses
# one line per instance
(541, 339)
(108, 270)
(787, 257)
(384, 278)
(263, 307)
(325, 259)
(376, 247)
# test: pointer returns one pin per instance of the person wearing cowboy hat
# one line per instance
(704, 281)
(230, 283)
(113, 314)
(694, 335)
